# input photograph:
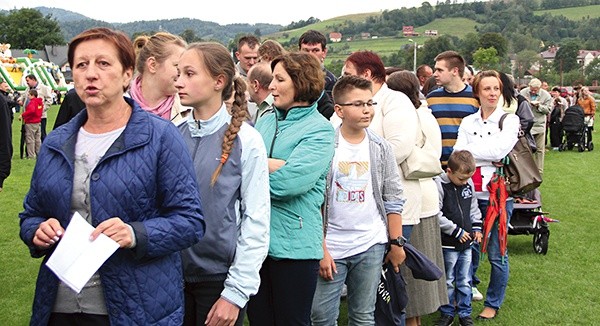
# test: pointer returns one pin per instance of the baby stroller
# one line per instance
(528, 218)
(575, 130)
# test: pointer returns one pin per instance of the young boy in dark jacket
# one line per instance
(460, 223)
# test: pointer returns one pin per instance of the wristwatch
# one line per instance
(400, 241)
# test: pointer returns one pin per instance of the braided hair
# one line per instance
(218, 62)
(239, 113)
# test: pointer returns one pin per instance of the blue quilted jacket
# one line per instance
(147, 179)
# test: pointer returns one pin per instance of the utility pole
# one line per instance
(414, 55)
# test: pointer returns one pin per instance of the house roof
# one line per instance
(549, 54)
(57, 54)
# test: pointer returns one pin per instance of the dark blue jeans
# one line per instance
(286, 292)
(500, 267)
(475, 253)
(458, 282)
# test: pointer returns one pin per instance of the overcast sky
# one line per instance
(222, 12)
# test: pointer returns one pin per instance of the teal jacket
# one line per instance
(304, 139)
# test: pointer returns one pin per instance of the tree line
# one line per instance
(29, 28)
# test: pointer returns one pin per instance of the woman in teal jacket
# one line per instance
(299, 142)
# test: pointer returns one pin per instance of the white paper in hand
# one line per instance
(76, 258)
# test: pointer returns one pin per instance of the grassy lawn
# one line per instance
(458, 27)
(574, 13)
(383, 46)
(556, 289)
(325, 26)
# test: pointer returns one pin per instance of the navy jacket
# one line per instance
(459, 212)
(147, 179)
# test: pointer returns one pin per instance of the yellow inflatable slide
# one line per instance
(14, 70)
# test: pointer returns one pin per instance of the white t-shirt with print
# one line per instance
(354, 223)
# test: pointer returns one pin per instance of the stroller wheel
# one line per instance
(590, 146)
(581, 147)
(540, 240)
(561, 147)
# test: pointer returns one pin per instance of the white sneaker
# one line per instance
(477, 296)
(344, 291)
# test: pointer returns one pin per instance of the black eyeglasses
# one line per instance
(359, 104)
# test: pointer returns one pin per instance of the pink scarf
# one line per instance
(163, 109)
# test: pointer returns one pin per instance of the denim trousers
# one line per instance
(475, 253)
(458, 282)
(361, 273)
(499, 265)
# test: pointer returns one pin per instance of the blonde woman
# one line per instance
(156, 67)
(588, 104)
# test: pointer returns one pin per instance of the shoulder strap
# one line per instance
(502, 120)
(521, 132)
(521, 99)
(420, 130)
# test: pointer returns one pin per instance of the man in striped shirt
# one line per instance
(451, 102)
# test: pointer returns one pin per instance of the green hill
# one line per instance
(450, 26)
(384, 46)
(325, 26)
(457, 27)
(574, 13)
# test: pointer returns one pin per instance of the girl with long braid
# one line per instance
(222, 270)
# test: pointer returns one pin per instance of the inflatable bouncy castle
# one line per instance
(14, 70)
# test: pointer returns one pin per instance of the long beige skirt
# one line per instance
(425, 297)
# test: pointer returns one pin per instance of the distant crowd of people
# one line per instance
(266, 188)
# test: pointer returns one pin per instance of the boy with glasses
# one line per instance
(362, 212)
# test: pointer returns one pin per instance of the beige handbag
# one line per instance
(421, 163)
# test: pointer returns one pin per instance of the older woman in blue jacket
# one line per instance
(129, 174)
(299, 142)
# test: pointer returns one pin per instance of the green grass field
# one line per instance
(556, 289)
(384, 46)
(387, 45)
(325, 26)
(574, 13)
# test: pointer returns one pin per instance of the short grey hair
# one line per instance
(535, 83)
